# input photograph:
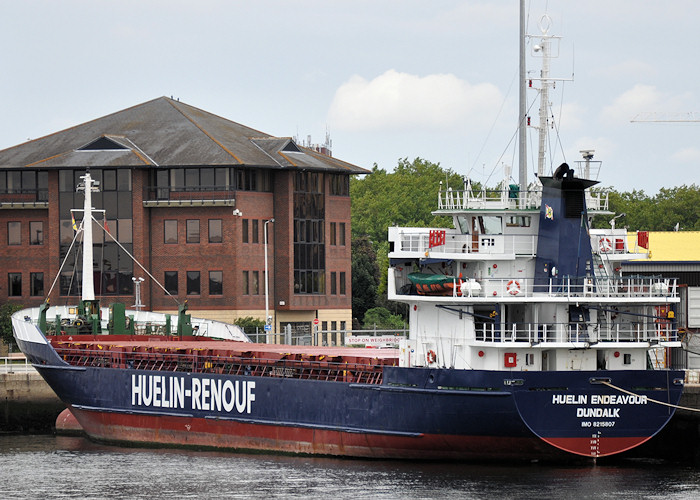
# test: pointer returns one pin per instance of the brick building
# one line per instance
(192, 196)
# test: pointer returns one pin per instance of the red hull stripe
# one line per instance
(596, 446)
(211, 433)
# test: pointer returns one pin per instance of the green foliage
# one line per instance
(249, 323)
(404, 197)
(7, 310)
(670, 206)
(382, 319)
(365, 276)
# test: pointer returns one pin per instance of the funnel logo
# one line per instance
(548, 212)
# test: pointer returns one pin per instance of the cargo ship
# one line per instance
(525, 342)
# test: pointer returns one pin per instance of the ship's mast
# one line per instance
(522, 130)
(88, 186)
(544, 104)
(545, 49)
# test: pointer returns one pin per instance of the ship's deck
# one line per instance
(203, 355)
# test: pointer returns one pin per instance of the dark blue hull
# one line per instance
(413, 413)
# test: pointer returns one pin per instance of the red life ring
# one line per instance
(605, 245)
(513, 287)
(431, 356)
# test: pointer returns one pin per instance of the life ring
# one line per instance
(431, 356)
(513, 287)
(605, 245)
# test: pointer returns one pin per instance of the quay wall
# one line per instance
(27, 403)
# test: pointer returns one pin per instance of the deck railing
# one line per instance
(653, 332)
(510, 198)
(222, 363)
(418, 240)
(570, 287)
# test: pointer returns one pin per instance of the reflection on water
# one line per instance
(72, 467)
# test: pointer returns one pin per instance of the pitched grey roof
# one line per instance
(166, 133)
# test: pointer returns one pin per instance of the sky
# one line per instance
(386, 79)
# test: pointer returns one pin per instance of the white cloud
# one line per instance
(633, 68)
(570, 116)
(687, 155)
(632, 102)
(642, 99)
(397, 100)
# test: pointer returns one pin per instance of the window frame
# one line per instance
(40, 233)
(166, 230)
(220, 230)
(11, 292)
(166, 279)
(14, 233)
(189, 226)
(194, 277)
(220, 284)
(33, 277)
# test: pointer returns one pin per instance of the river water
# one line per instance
(47, 466)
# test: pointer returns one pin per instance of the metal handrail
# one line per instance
(11, 364)
(574, 332)
(155, 193)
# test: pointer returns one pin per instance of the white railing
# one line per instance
(574, 332)
(15, 364)
(576, 288)
(469, 199)
(418, 240)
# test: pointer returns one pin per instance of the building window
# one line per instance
(340, 185)
(216, 282)
(342, 283)
(193, 231)
(342, 325)
(334, 325)
(36, 233)
(116, 268)
(14, 233)
(36, 284)
(215, 231)
(309, 234)
(28, 182)
(14, 284)
(193, 283)
(244, 230)
(171, 282)
(246, 283)
(124, 230)
(256, 283)
(256, 231)
(170, 230)
(341, 234)
(332, 235)
(334, 290)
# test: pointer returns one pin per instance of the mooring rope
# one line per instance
(649, 399)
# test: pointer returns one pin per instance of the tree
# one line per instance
(662, 212)
(249, 324)
(405, 197)
(365, 277)
(382, 319)
(7, 310)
